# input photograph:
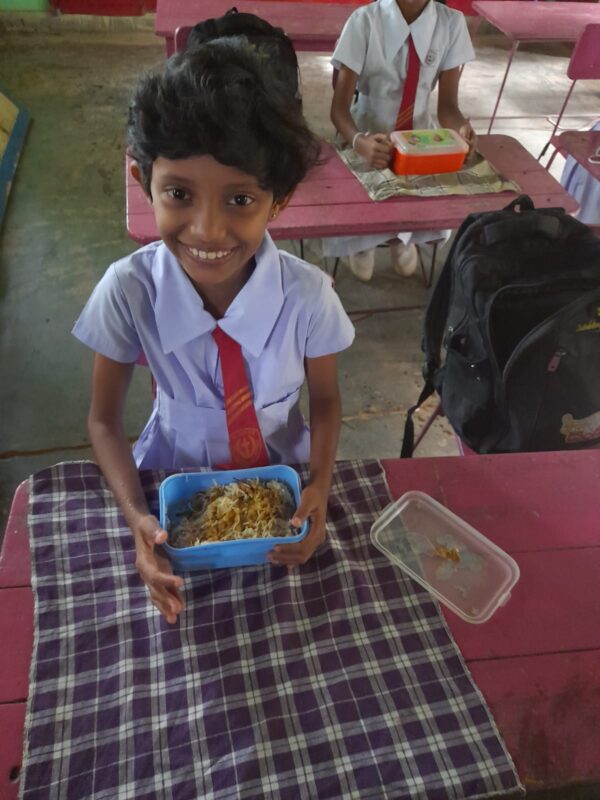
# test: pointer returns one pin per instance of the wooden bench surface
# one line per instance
(528, 21)
(580, 145)
(312, 27)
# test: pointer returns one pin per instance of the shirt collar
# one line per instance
(181, 316)
(254, 311)
(396, 29)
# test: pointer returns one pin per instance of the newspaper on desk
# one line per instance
(337, 680)
(477, 176)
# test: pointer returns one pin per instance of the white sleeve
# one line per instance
(329, 329)
(460, 49)
(351, 48)
(106, 324)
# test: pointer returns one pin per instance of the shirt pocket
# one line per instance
(273, 416)
(201, 437)
(284, 430)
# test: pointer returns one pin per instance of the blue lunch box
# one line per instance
(235, 553)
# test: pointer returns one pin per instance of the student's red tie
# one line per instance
(404, 120)
(245, 439)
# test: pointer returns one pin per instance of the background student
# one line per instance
(394, 53)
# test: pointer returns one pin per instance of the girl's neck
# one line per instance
(411, 9)
(218, 297)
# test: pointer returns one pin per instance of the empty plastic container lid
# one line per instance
(465, 571)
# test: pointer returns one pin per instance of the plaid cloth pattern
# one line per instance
(338, 680)
(477, 176)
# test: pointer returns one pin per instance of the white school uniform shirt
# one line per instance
(374, 45)
(286, 312)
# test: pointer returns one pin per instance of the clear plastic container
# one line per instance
(428, 152)
(465, 571)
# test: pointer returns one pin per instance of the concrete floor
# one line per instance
(65, 223)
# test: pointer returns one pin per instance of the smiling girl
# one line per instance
(218, 147)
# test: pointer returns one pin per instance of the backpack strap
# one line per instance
(438, 306)
(521, 226)
(434, 327)
(408, 440)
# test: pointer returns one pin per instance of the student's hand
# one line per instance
(376, 149)
(155, 568)
(313, 505)
(469, 135)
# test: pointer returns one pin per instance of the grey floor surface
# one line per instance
(65, 223)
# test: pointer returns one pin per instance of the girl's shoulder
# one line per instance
(450, 18)
(362, 18)
(141, 261)
(141, 271)
(301, 277)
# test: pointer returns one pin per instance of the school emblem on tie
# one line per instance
(246, 446)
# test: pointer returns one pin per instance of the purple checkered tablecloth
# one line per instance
(337, 680)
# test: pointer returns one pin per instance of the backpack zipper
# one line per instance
(526, 342)
(535, 333)
(554, 362)
(548, 321)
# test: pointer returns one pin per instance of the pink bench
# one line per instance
(312, 27)
(535, 22)
(580, 145)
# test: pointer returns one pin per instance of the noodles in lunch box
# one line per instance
(245, 509)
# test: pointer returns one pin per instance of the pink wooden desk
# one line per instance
(311, 27)
(332, 202)
(535, 22)
(537, 661)
(580, 145)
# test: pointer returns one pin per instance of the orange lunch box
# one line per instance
(427, 152)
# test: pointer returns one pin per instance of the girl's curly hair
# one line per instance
(221, 99)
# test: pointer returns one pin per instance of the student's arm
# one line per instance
(325, 421)
(374, 148)
(449, 114)
(110, 383)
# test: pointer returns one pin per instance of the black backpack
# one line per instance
(517, 310)
(270, 42)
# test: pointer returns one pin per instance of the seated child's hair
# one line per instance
(218, 99)
(269, 42)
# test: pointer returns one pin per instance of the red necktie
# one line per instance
(404, 120)
(245, 439)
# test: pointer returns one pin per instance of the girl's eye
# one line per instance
(177, 194)
(241, 200)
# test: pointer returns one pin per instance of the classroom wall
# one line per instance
(24, 5)
(93, 7)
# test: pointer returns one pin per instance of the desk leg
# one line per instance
(510, 58)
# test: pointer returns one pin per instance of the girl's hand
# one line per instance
(469, 135)
(376, 149)
(155, 569)
(313, 504)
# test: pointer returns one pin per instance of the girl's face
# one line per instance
(212, 218)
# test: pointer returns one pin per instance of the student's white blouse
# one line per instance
(374, 45)
(286, 312)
